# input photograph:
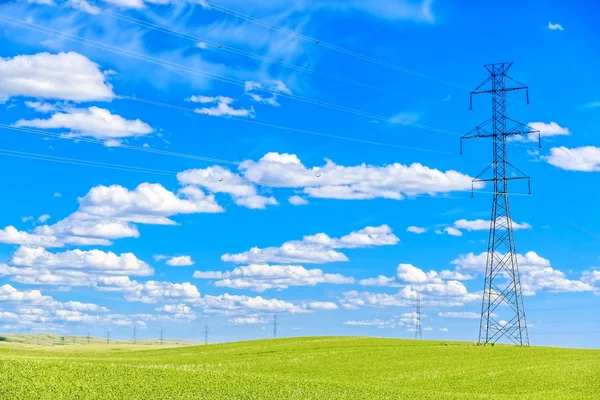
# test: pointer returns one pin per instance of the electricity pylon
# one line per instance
(418, 326)
(502, 281)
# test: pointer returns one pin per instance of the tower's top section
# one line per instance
(498, 68)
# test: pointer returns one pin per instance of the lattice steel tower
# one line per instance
(418, 326)
(502, 281)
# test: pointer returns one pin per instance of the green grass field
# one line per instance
(303, 368)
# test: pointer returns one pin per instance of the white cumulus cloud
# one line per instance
(395, 181)
(248, 321)
(545, 130)
(416, 229)
(297, 200)
(319, 248)
(460, 314)
(148, 203)
(221, 107)
(536, 273)
(220, 180)
(484, 225)
(65, 76)
(452, 231)
(180, 261)
(322, 305)
(228, 304)
(261, 277)
(584, 159)
(95, 122)
(91, 260)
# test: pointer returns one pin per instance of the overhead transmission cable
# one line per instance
(84, 163)
(287, 128)
(129, 168)
(220, 46)
(331, 46)
(208, 159)
(121, 145)
(169, 64)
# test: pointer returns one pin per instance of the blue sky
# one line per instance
(282, 176)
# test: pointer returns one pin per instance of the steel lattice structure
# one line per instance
(418, 326)
(502, 281)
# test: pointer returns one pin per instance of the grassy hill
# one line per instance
(81, 343)
(303, 368)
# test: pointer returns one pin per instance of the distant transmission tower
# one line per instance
(418, 327)
(275, 323)
(88, 338)
(107, 337)
(205, 334)
(161, 336)
(502, 281)
(134, 332)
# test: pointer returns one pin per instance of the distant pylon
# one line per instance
(134, 334)
(275, 323)
(205, 334)
(161, 336)
(418, 327)
(502, 281)
(107, 337)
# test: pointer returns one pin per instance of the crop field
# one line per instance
(301, 368)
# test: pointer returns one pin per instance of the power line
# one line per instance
(195, 157)
(85, 163)
(287, 128)
(502, 255)
(584, 230)
(220, 46)
(173, 65)
(121, 145)
(168, 64)
(332, 47)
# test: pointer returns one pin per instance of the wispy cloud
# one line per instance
(221, 107)
(406, 117)
(555, 27)
(592, 104)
